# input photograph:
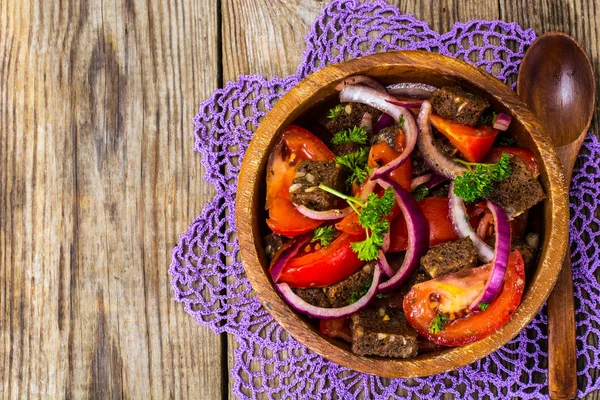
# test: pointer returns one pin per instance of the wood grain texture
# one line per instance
(62, 257)
(97, 180)
(554, 67)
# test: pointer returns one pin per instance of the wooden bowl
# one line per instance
(316, 91)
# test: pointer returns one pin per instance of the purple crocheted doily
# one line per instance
(208, 277)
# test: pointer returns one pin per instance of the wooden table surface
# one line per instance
(98, 177)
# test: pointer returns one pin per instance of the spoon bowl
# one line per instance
(556, 80)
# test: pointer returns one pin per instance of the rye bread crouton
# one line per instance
(519, 191)
(387, 135)
(345, 148)
(383, 331)
(449, 257)
(314, 296)
(352, 288)
(304, 189)
(273, 243)
(349, 117)
(458, 105)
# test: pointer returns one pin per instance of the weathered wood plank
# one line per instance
(97, 180)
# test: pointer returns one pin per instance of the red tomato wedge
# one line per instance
(451, 294)
(381, 154)
(336, 328)
(472, 142)
(525, 155)
(435, 210)
(296, 144)
(324, 267)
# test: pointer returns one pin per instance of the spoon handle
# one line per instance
(562, 359)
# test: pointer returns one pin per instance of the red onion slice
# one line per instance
(411, 89)
(327, 313)
(418, 235)
(435, 158)
(406, 104)
(419, 180)
(384, 265)
(286, 253)
(502, 122)
(383, 121)
(327, 215)
(501, 254)
(462, 226)
(360, 80)
(428, 180)
(367, 122)
(380, 101)
(435, 180)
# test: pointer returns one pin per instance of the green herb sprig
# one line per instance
(478, 182)
(483, 306)
(438, 324)
(324, 234)
(335, 111)
(420, 192)
(371, 216)
(356, 134)
(356, 162)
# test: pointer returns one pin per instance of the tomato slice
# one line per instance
(381, 154)
(324, 267)
(336, 328)
(296, 144)
(525, 155)
(435, 210)
(472, 142)
(452, 293)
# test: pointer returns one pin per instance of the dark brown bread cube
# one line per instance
(350, 117)
(443, 143)
(519, 191)
(273, 242)
(449, 257)
(383, 331)
(345, 148)
(350, 289)
(387, 135)
(314, 296)
(309, 174)
(455, 104)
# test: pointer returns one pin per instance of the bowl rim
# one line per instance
(286, 110)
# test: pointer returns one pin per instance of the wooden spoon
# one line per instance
(556, 80)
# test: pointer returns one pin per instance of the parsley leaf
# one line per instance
(371, 217)
(438, 324)
(325, 234)
(478, 182)
(335, 111)
(356, 134)
(355, 296)
(356, 162)
(483, 306)
(420, 192)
